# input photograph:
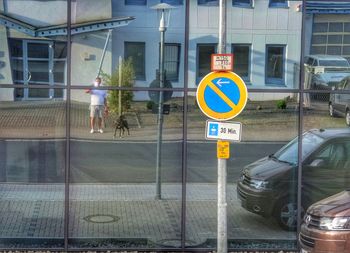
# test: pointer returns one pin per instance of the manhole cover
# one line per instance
(101, 218)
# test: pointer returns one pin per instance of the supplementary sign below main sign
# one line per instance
(223, 150)
(221, 62)
(222, 95)
(230, 131)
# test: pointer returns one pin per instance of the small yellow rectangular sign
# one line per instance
(223, 150)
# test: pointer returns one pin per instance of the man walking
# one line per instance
(98, 105)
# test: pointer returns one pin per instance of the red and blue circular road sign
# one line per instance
(222, 95)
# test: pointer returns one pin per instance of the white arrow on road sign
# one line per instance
(220, 82)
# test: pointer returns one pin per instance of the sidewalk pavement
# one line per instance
(127, 211)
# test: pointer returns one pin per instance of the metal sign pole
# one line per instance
(222, 205)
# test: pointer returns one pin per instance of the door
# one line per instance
(38, 63)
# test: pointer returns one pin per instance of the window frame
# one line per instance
(271, 81)
(143, 76)
(247, 79)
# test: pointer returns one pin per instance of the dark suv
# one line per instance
(268, 186)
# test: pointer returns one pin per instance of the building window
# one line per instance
(172, 2)
(204, 52)
(135, 2)
(172, 61)
(136, 51)
(331, 38)
(242, 3)
(38, 62)
(278, 3)
(208, 2)
(241, 61)
(275, 64)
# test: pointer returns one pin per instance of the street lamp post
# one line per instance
(164, 9)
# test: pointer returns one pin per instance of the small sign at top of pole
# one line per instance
(221, 62)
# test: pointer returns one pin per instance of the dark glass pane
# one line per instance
(17, 69)
(135, 2)
(208, 2)
(38, 50)
(19, 93)
(58, 93)
(335, 27)
(113, 200)
(319, 39)
(334, 50)
(172, 2)
(204, 59)
(59, 69)
(60, 50)
(347, 27)
(254, 220)
(335, 39)
(16, 48)
(346, 39)
(38, 93)
(241, 2)
(39, 71)
(171, 61)
(32, 173)
(136, 51)
(241, 60)
(318, 50)
(320, 27)
(275, 61)
(346, 50)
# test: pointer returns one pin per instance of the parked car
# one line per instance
(339, 104)
(326, 225)
(326, 70)
(268, 186)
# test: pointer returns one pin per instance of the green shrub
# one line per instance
(128, 76)
(150, 105)
(281, 104)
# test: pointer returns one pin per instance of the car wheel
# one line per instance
(286, 214)
(331, 110)
(347, 117)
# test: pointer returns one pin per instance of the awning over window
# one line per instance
(329, 7)
(78, 28)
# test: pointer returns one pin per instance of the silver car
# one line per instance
(339, 104)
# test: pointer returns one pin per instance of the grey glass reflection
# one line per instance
(32, 162)
(113, 179)
(328, 120)
(269, 122)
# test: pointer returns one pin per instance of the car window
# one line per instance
(289, 153)
(334, 155)
(347, 84)
(334, 63)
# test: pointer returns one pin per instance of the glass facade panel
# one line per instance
(126, 193)
(32, 162)
(270, 122)
(325, 170)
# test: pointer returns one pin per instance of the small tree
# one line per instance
(128, 76)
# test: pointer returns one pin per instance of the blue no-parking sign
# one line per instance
(222, 95)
